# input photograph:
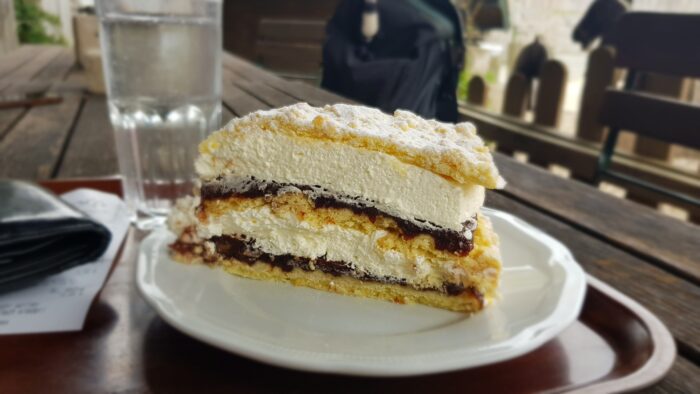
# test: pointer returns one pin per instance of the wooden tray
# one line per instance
(616, 345)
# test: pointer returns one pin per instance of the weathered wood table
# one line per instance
(125, 347)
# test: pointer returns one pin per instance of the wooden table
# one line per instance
(124, 346)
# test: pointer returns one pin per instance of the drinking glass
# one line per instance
(162, 65)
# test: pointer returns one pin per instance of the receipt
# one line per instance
(60, 302)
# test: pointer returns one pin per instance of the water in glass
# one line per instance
(164, 89)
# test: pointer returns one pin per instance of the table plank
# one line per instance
(33, 147)
(31, 68)
(684, 377)
(15, 59)
(49, 75)
(261, 91)
(8, 117)
(226, 115)
(91, 151)
(299, 90)
(75, 82)
(316, 96)
(641, 230)
(240, 102)
(55, 71)
(43, 79)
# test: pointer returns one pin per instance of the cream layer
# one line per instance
(280, 235)
(398, 188)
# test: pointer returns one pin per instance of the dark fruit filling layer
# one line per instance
(242, 249)
(459, 243)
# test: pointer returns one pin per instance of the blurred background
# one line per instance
(543, 118)
(287, 37)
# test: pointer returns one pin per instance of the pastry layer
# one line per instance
(453, 241)
(465, 302)
(400, 189)
(243, 249)
(289, 225)
(453, 151)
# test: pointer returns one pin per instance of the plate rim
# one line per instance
(528, 339)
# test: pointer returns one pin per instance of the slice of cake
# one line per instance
(346, 199)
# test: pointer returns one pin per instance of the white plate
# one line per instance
(542, 291)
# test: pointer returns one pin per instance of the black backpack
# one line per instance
(412, 63)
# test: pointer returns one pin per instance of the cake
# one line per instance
(346, 199)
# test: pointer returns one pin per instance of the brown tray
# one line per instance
(616, 345)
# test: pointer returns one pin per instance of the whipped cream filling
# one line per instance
(398, 188)
(287, 235)
(247, 186)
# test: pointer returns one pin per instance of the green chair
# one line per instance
(661, 43)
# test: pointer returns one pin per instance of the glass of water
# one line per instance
(162, 64)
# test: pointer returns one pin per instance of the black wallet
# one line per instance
(41, 235)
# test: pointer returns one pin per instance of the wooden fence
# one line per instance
(545, 146)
